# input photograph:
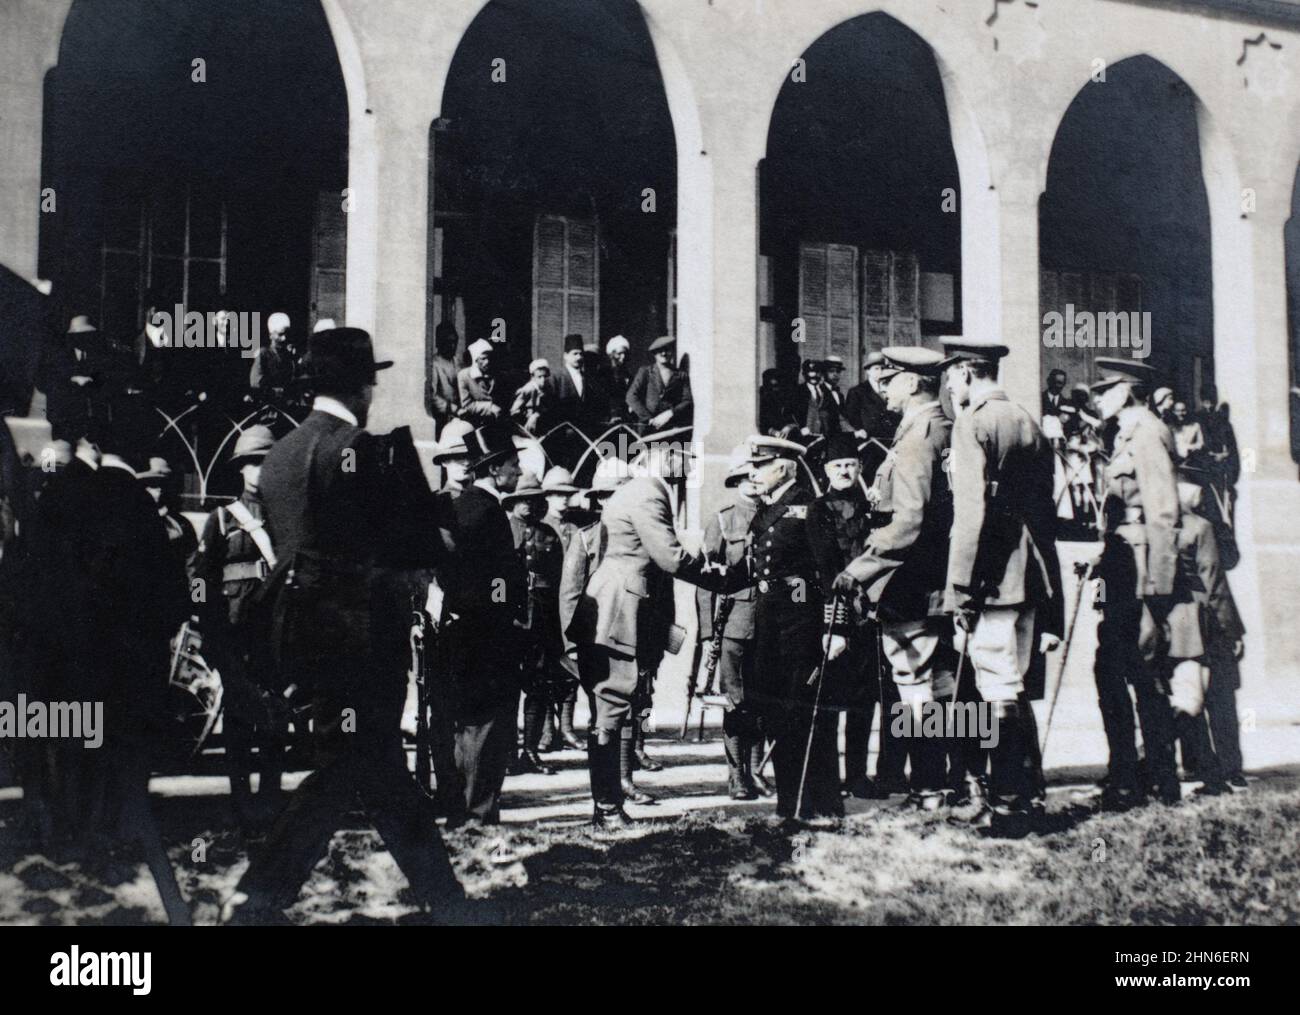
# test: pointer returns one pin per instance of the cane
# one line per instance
(818, 675)
(1084, 572)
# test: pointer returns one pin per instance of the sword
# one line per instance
(817, 676)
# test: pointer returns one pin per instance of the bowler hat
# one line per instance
(342, 358)
(80, 325)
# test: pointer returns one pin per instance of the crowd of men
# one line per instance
(891, 550)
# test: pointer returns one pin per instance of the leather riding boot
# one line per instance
(567, 733)
(606, 790)
(1009, 787)
(643, 760)
(548, 740)
(754, 765)
(626, 748)
(530, 760)
(738, 786)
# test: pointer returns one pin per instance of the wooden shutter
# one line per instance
(904, 300)
(329, 259)
(566, 283)
(828, 301)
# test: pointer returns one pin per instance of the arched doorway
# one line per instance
(198, 154)
(554, 182)
(860, 217)
(1125, 230)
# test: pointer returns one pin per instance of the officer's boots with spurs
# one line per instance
(530, 761)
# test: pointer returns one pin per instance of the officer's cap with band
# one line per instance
(912, 359)
(971, 350)
(737, 466)
(768, 449)
(1114, 370)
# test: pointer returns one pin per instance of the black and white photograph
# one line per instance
(651, 463)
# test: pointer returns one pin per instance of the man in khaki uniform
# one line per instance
(1003, 572)
(1138, 565)
(905, 564)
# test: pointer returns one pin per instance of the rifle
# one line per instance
(419, 669)
(721, 612)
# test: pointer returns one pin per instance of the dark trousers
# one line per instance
(1221, 709)
(367, 769)
(878, 689)
(821, 785)
(1126, 656)
(484, 750)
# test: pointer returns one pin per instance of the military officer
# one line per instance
(726, 538)
(1003, 572)
(840, 521)
(538, 545)
(904, 564)
(234, 558)
(789, 618)
(1138, 564)
(625, 618)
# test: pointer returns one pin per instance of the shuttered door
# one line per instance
(329, 259)
(566, 284)
(828, 302)
(904, 300)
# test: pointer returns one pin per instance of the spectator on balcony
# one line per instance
(660, 394)
(483, 394)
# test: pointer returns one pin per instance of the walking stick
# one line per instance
(818, 676)
(1085, 574)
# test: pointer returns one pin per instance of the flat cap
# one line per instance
(663, 342)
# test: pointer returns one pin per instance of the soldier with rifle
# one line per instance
(726, 625)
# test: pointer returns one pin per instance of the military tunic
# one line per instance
(1138, 567)
(788, 624)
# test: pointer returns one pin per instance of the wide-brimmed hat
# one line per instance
(662, 342)
(253, 444)
(451, 442)
(527, 486)
(342, 357)
(558, 479)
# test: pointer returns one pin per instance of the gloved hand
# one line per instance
(834, 645)
(845, 583)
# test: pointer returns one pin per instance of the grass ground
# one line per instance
(1229, 860)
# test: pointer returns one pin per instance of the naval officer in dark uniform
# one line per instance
(790, 617)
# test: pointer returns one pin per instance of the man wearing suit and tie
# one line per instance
(329, 504)
(581, 400)
(660, 394)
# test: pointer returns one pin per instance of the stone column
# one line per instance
(29, 43)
